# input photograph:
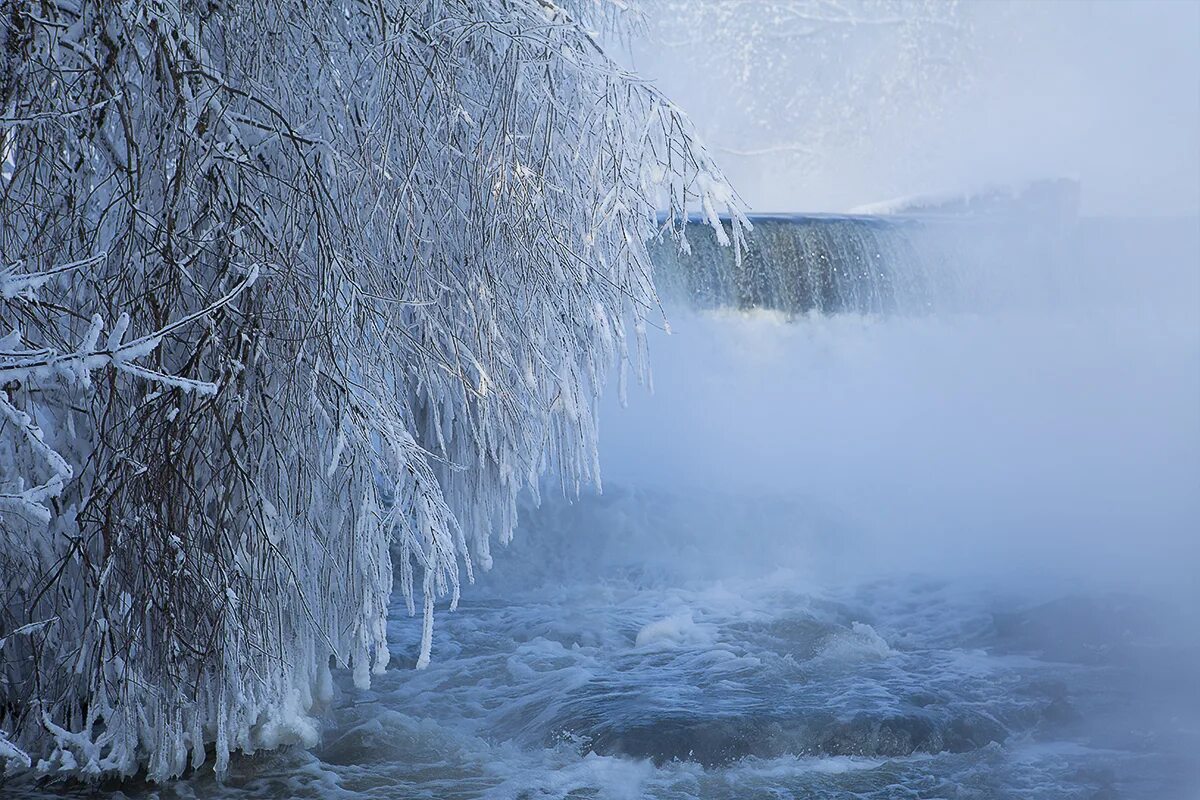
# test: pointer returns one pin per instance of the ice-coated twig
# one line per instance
(454, 200)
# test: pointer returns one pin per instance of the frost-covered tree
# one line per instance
(367, 264)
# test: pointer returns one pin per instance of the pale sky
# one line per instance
(1105, 92)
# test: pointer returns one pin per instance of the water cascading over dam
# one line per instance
(802, 263)
(929, 254)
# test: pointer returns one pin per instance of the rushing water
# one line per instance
(595, 663)
(946, 551)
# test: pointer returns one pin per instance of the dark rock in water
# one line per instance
(922, 699)
(1059, 713)
(972, 731)
(903, 735)
(890, 736)
(713, 741)
(801, 636)
(721, 740)
(1049, 713)
(1075, 629)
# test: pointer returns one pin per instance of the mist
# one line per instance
(1051, 428)
(1015, 446)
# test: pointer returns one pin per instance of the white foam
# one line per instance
(860, 643)
(675, 631)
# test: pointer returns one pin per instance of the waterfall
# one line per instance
(800, 264)
(909, 257)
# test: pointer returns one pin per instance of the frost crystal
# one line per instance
(369, 267)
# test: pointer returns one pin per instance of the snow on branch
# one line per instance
(454, 199)
(20, 365)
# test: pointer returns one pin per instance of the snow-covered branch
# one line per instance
(454, 199)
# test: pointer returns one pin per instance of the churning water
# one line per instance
(642, 645)
(873, 536)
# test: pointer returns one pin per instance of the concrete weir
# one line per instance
(798, 264)
(910, 256)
